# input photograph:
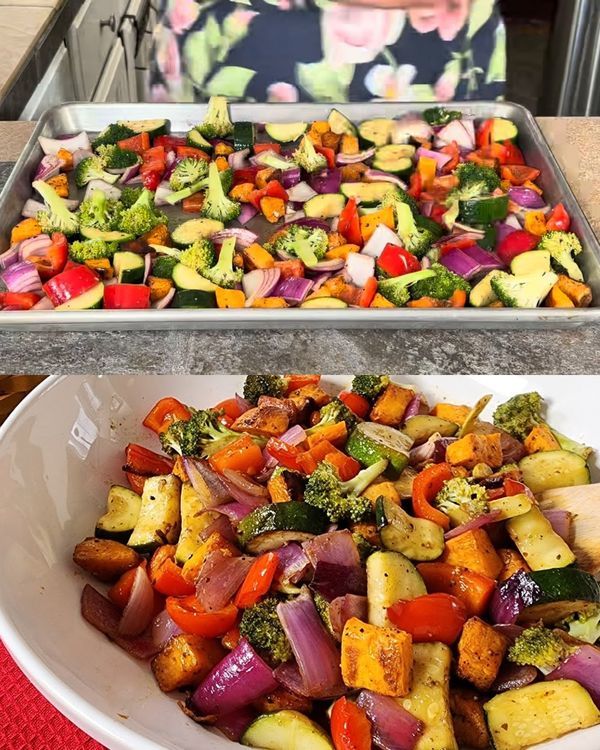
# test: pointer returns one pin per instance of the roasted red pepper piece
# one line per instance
(164, 413)
(127, 297)
(515, 243)
(559, 220)
(349, 223)
(396, 261)
(69, 284)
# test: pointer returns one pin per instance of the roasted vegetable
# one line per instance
(104, 558)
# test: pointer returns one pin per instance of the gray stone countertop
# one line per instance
(567, 351)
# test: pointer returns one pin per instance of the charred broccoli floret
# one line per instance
(256, 386)
(187, 172)
(199, 256)
(341, 500)
(461, 501)
(100, 212)
(92, 168)
(223, 274)
(396, 289)
(114, 157)
(584, 625)
(129, 195)
(191, 437)
(521, 413)
(216, 203)
(163, 266)
(333, 412)
(563, 247)
(306, 157)
(310, 245)
(539, 647)
(526, 291)
(415, 239)
(394, 197)
(217, 123)
(470, 174)
(260, 624)
(441, 285)
(438, 116)
(370, 386)
(112, 134)
(142, 216)
(56, 217)
(82, 250)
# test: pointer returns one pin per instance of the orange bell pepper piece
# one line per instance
(241, 455)
(426, 486)
(164, 413)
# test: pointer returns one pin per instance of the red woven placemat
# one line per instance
(28, 721)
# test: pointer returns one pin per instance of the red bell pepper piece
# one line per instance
(517, 174)
(426, 486)
(230, 407)
(453, 151)
(241, 455)
(189, 152)
(69, 284)
(170, 142)
(484, 133)
(260, 147)
(368, 293)
(296, 380)
(416, 185)
(396, 261)
(515, 243)
(164, 413)
(137, 143)
(127, 297)
(140, 460)
(286, 455)
(458, 243)
(514, 487)
(22, 300)
(258, 580)
(356, 403)
(559, 220)
(165, 575)
(156, 153)
(190, 616)
(248, 174)
(329, 154)
(350, 726)
(514, 153)
(437, 213)
(431, 617)
(349, 223)
(273, 189)
(474, 589)
(151, 179)
(54, 259)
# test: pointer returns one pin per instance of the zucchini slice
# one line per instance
(416, 538)
(561, 592)
(243, 135)
(551, 469)
(325, 206)
(390, 577)
(482, 294)
(195, 229)
(375, 132)
(340, 124)
(324, 303)
(129, 267)
(537, 541)
(152, 127)
(185, 277)
(286, 730)
(526, 716)
(197, 140)
(158, 522)
(89, 300)
(122, 512)
(396, 159)
(421, 427)
(194, 299)
(285, 132)
(504, 130)
(194, 520)
(271, 526)
(484, 210)
(369, 442)
(367, 193)
(92, 233)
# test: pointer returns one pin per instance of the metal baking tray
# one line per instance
(71, 118)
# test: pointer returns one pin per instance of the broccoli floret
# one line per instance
(216, 204)
(437, 116)
(163, 266)
(416, 240)
(526, 291)
(341, 500)
(260, 624)
(332, 413)
(100, 212)
(112, 134)
(396, 289)
(223, 274)
(539, 647)
(256, 386)
(394, 197)
(82, 250)
(226, 177)
(461, 500)
(310, 245)
(200, 256)
(56, 217)
(470, 174)
(322, 607)
(129, 195)
(187, 172)
(563, 246)
(440, 285)
(114, 157)
(92, 168)
(217, 123)
(370, 386)
(306, 157)
(191, 437)
(142, 216)
(584, 625)
(521, 413)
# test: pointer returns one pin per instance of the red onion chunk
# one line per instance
(73, 143)
(474, 523)
(22, 277)
(335, 264)
(47, 168)
(293, 564)
(381, 237)
(9, 257)
(327, 181)
(290, 177)
(221, 525)
(137, 615)
(344, 608)
(130, 174)
(512, 632)
(247, 213)
(235, 511)
(105, 616)
(460, 263)
(316, 653)
(234, 724)
(260, 283)
(240, 480)
(43, 304)
(237, 159)
(331, 580)
(394, 728)
(561, 521)
(526, 197)
(250, 500)
(293, 290)
(584, 667)
(488, 261)
(163, 191)
(163, 629)
(337, 547)
(513, 676)
(38, 246)
(355, 158)
(512, 597)
(413, 407)
(243, 404)
(219, 579)
(243, 237)
(237, 680)
(376, 175)
(461, 131)
(301, 193)
(422, 453)
(206, 482)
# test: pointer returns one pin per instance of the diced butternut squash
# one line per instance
(512, 561)
(278, 489)
(159, 235)
(316, 395)
(473, 550)
(231, 298)
(223, 149)
(222, 163)
(380, 301)
(335, 239)
(290, 268)
(476, 449)
(391, 404)
(579, 293)
(179, 469)
(255, 256)
(320, 126)
(541, 439)
(273, 209)
(314, 137)
(341, 251)
(468, 719)
(270, 302)
(331, 140)
(349, 144)
(242, 192)
(263, 176)
(451, 412)
(386, 490)
(159, 288)
(60, 185)
(24, 230)
(216, 541)
(185, 661)
(353, 172)
(370, 222)
(65, 159)
(557, 298)
(336, 433)
(104, 269)
(481, 650)
(375, 658)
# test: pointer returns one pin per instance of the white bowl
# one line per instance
(59, 452)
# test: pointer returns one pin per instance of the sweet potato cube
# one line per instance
(579, 293)
(382, 489)
(391, 404)
(481, 650)
(380, 301)
(185, 660)
(268, 421)
(331, 140)
(541, 439)
(375, 658)
(512, 561)
(476, 449)
(256, 256)
(475, 551)
(451, 412)
(215, 541)
(468, 719)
